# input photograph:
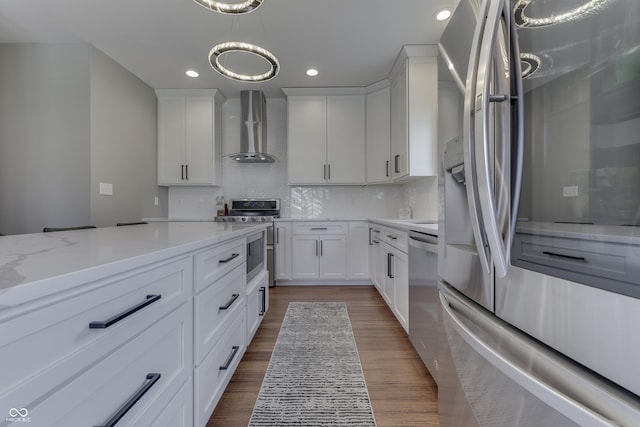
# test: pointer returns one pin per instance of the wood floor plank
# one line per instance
(401, 390)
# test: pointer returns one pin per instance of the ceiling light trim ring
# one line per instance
(230, 8)
(530, 64)
(221, 48)
(590, 7)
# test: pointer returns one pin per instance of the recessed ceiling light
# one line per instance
(443, 14)
(192, 73)
(312, 72)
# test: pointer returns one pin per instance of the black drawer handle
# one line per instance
(233, 299)
(227, 363)
(115, 319)
(575, 258)
(263, 307)
(319, 228)
(223, 261)
(392, 237)
(151, 380)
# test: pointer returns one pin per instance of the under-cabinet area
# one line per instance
(143, 325)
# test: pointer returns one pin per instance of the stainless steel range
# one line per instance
(256, 210)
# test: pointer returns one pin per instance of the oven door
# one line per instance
(255, 255)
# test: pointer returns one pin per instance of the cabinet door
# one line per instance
(199, 140)
(305, 257)
(333, 257)
(283, 251)
(346, 139)
(399, 124)
(171, 140)
(358, 250)
(401, 298)
(388, 280)
(379, 136)
(307, 146)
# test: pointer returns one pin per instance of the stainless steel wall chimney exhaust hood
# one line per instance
(253, 129)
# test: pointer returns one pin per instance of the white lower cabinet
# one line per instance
(282, 246)
(390, 272)
(179, 411)
(215, 371)
(319, 257)
(131, 385)
(257, 303)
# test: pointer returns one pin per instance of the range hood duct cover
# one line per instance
(253, 129)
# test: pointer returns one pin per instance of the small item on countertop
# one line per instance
(220, 206)
(226, 210)
(404, 213)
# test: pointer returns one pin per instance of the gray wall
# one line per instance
(123, 145)
(70, 118)
(44, 136)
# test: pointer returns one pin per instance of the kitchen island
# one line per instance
(92, 319)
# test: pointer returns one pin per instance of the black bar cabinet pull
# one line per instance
(395, 161)
(233, 299)
(103, 324)
(319, 228)
(224, 261)
(392, 237)
(151, 380)
(387, 166)
(391, 273)
(320, 247)
(389, 265)
(227, 363)
(576, 258)
(186, 172)
(181, 171)
(263, 308)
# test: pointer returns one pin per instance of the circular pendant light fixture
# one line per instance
(590, 7)
(530, 64)
(230, 8)
(222, 48)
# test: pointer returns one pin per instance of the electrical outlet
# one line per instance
(570, 191)
(155, 201)
(106, 189)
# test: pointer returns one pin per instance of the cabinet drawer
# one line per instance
(97, 395)
(216, 262)
(319, 228)
(396, 238)
(606, 265)
(62, 328)
(215, 372)
(179, 412)
(214, 306)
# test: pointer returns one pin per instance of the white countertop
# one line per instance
(424, 225)
(39, 264)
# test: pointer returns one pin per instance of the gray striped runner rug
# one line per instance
(314, 377)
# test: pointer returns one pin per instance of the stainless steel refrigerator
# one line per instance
(539, 246)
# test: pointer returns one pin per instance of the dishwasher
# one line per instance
(424, 302)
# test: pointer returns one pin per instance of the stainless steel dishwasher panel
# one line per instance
(424, 302)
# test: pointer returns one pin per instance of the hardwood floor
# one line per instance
(402, 391)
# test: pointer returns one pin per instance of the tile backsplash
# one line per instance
(270, 181)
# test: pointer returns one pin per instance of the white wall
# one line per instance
(270, 180)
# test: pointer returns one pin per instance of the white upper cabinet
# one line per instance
(189, 137)
(379, 136)
(326, 138)
(414, 113)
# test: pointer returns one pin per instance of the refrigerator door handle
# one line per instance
(482, 138)
(469, 145)
(533, 367)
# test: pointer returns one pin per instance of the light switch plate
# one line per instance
(570, 191)
(106, 189)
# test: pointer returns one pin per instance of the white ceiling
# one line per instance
(351, 42)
